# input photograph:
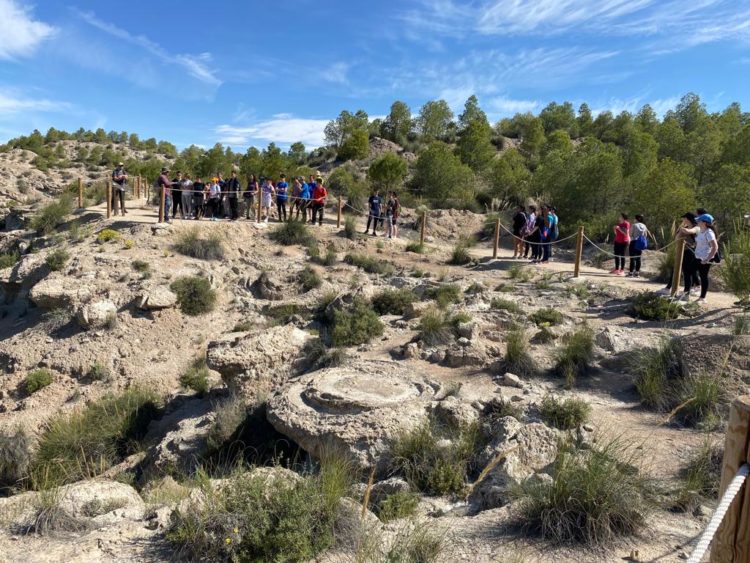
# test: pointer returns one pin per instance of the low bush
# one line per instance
(416, 247)
(460, 255)
(194, 295)
(15, 458)
(500, 408)
(355, 325)
(196, 377)
(741, 325)
(654, 368)
(546, 317)
(292, 232)
(506, 305)
(36, 380)
(309, 279)
(700, 477)
(98, 372)
(140, 266)
(393, 301)
(317, 356)
(369, 264)
(52, 215)
(595, 497)
(565, 414)
(87, 442)
(435, 327)
(735, 271)
(283, 313)
(517, 357)
(444, 294)
(190, 242)
(398, 505)
(653, 307)
(329, 259)
(107, 235)
(57, 259)
(350, 227)
(8, 259)
(505, 288)
(701, 399)
(520, 273)
(575, 355)
(127, 244)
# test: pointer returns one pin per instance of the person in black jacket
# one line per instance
(519, 222)
(119, 182)
(232, 190)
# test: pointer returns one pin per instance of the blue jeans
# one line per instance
(167, 207)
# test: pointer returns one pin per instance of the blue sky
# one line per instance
(249, 72)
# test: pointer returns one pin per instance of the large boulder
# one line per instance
(255, 363)
(56, 292)
(516, 452)
(97, 314)
(358, 408)
(158, 297)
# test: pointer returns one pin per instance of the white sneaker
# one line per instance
(684, 296)
(663, 291)
(700, 300)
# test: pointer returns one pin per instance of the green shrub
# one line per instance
(435, 327)
(500, 408)
(309, 279)
(654, 368)
(575, 355)
(328, 260)
(431, 466)
(243, 326)
(350, 227)
(290, 233)
(701, 476)
(196, 377)
(355, 325)
(702, 396)
(15, 458)
(506, 288)
(735, 271)
(194, 295)
(517, 357)
(85, 443)
(252, 519)
(595, 497)
(107, 235)
(57, 259)
(369, 264)
(546, 317)
(653, 307)
(416, 247)
(98, 372)
(444, 294)
(191, 243)
(283, 313)
(565, 414)
(520, 273)
(506, 305)
(36, 380)
(9, 259)
(393, 301)
(398, 505)
(52, 215)
(460, 255)
(741, 325)
(140, 266)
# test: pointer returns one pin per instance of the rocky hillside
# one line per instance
(236, 391)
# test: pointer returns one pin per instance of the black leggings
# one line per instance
(620, 255)
(635, 257)
(281, 208)
(703, 273)
(177, 202)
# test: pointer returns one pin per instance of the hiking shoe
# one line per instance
(614, 271)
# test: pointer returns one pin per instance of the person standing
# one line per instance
(232, 193)
(187, 197)
(305, 196)
(214, 199)
(165, 184)
(528, 230)
(281, 197)
(266, 198)
(535, 238)
(177, 194)
(519, 222)
(389, 203)
(545, 235)
(639, 234)
(554, 232)
(295, 201)
(687, 231)
(249, 196)
(706, 248)
(374, 202)
(396, 213)
(622, 239)
(319, 196)
(119, 182)
(198, 204)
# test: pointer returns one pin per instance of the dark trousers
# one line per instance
(233, 208)
(214, 207)
(620, 255)
(703, 270)
(688, 269)
(176, 202)
(281, 208)
(546, 250)
(249, 206)
(118, 196)
(536, 248)
(635, 257)
(317, 208)
(373, 217)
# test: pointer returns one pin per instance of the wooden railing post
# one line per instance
(422, 227)
(80, 193)
(162, 201)
(109, 198)
(338, 215)
(679, 249)
(579, 252)
(496, 238)
(731, 544)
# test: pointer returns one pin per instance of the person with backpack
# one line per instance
(374, 203)
(248, 196)
(706, 251)
(622, 240)
(281, 197)
(639, 234)
(119, 182)
(528, 230)
(519, 222)
(319, 196)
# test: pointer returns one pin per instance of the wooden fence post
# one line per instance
(731, 544)
(80, 193)
(338, 215)
(422, 227)
(162, 201)
(677, 273)
(579, 252)
(496, 238)
(109, 198)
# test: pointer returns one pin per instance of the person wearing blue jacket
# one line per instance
(305, 195)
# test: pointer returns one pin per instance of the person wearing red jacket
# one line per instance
(319, 196)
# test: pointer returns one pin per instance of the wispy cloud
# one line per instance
(508, 106)
(337, 73)
(282, 129)
(632, 105)
(20, 34)
(13, 102)
(197, 66)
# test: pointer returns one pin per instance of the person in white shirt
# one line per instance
(706, 247)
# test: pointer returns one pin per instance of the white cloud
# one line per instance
(13, 102)
(197, 66)
(507, 106)
(337, 73)
(634, 104)
(282, 129)
(20, 34)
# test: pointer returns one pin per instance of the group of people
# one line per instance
(218, 199)
(382, 210)
(534, 232)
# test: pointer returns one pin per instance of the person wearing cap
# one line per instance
(119, 181)
(687, 231)
(706, 249)
(319, 196)
(164, 183)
